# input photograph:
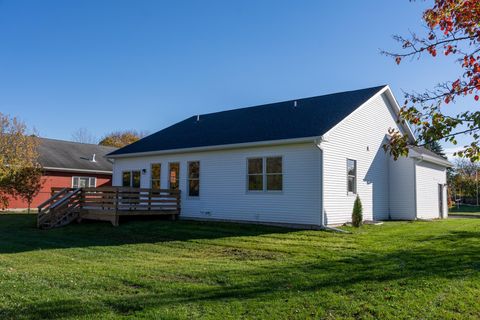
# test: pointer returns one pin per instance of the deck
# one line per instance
(106, 204)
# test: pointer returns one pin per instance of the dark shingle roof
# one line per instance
(276, 121)
(73, 155)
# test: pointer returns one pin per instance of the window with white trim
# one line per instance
(194, 178)
(255, 174)
(131, 179)
(274, 174)
(84, 182)
(265, 174)
(155, 170)
(351, 176)
(173, 175)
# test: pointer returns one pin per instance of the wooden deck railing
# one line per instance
(108, 203)
(123, 199)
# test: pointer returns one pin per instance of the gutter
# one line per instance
(215, 147)
(431, 159)
(77, 170)
(415, 186)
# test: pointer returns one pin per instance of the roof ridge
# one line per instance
(290, 100)
(76, 142)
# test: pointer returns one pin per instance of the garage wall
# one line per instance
(428, 176)
(402, 189)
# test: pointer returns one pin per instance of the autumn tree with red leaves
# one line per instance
(453, 29)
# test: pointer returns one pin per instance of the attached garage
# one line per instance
(431, 186)
(418, 186)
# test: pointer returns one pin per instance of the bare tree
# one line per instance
(82, 135)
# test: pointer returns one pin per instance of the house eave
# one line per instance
(434, 160)
(57, 169)
(216, 147)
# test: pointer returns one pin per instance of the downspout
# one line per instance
(318, 143)
(417, 161)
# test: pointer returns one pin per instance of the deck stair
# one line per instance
(106, 204)
(61, 209)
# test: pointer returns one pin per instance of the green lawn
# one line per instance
(465, 210)
(189, 270)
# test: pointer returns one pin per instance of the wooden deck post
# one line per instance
(178, 202)
(149, 203)
(116, 218)
(116, 221)
(116, 200)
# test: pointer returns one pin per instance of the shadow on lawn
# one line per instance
(374, 271)
(18, 233)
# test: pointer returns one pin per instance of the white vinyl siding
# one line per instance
(402, 189)
(429, 175)
(360, 136)
(224, 181)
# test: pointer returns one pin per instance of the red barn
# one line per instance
(69, 164)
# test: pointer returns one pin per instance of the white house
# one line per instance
(299, 162)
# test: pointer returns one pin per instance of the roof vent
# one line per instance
(295, 103)
(93, 158)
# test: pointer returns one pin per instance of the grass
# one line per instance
(465, 210)
(189, 270)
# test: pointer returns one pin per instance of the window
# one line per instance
(274, 174)
(126, 178)
(131, 179)
(136, 179)
(173, 175)
(194, 179)
(255, 174)
(265, 174)
(84, 182)
(155, 175)
(351, 176)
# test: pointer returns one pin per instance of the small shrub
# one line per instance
(357, 213)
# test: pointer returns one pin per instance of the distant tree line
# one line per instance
(463, 181)
(116, 139)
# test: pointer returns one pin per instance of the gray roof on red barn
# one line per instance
(71, 156)
(300, 118)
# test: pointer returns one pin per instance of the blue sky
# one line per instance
(112, 65)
